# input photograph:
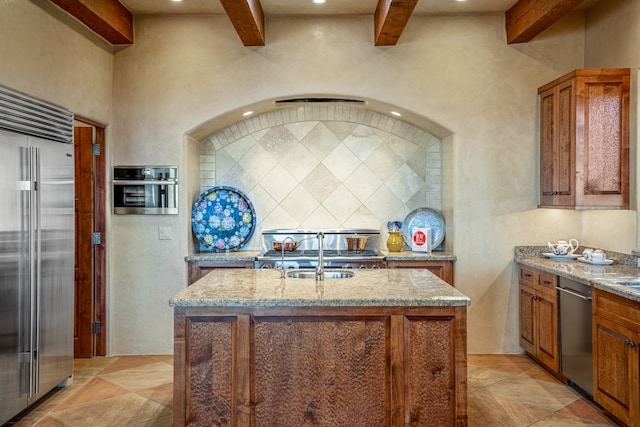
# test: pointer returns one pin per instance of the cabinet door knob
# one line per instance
(632, 344)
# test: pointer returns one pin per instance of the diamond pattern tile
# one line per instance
(341, 162)
(326, 166)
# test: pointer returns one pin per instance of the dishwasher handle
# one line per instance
(574, 293)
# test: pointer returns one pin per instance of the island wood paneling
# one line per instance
(320, 371)
(210, 374)
(307, 366)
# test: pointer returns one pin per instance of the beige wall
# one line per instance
(457, 73)
(49, 60)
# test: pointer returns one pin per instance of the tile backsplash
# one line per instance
(325, 166)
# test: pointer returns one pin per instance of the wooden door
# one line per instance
(527, 319)
(603, 161)
(90, 262)
(84, 255)
(548, 119)
(566, 144)
(557, 145)
(616, 370)
(547, 327)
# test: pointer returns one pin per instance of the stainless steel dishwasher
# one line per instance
(576, 359)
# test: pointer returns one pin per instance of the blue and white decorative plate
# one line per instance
(223, 219)
(425, 218)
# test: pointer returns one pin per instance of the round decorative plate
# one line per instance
(425, 218)
(223, 219)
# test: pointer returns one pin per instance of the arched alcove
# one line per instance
(324, 165)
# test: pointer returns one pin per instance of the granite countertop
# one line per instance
(265, 288)
(223, 256)
(251, 256)
(606, 278)
(419, 256)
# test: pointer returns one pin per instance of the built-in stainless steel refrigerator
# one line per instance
(36, 257)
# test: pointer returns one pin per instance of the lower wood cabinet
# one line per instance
(196, 270)
(321, 366)
(616, 356)
(538, 305)
(442, 269)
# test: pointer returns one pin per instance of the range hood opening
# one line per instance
(318, 100)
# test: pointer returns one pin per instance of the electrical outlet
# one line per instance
(164, 233)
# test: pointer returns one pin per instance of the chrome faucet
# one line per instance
(282, 275)
(320, 266)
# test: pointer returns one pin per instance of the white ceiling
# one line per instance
(306, 7)
(331, 7)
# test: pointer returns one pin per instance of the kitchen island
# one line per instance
(385, 347)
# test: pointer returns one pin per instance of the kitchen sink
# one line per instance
(311, 274)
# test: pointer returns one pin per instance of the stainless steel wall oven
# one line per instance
(145, 190)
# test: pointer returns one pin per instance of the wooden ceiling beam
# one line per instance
(528, 18)
(390, 18)
(248, 20)
(107, 18)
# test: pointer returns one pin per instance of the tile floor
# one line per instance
(136, 391)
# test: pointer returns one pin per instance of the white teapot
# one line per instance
(562, 247)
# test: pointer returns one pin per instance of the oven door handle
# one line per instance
(575, 294)
(143, 182)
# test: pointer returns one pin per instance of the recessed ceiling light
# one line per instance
(176, 1)
(319, 1)
(247, 113)
(395, 113)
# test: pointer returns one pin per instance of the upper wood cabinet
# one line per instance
(584, 140)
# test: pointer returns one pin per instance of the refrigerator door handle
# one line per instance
(25, 336)
(37, 270)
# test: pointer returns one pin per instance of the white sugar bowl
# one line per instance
(598, 256)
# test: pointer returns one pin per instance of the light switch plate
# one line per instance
(164, 233)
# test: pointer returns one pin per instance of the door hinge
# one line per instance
(95, 149)
(96, 238)
(96, 327)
